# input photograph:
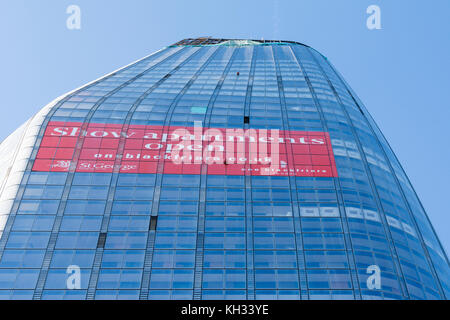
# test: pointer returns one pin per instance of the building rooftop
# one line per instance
(202, 41)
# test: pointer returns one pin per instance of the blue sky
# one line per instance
(401, 73)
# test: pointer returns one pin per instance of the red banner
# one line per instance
(97, 147)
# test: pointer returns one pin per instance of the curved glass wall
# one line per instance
(97, 211)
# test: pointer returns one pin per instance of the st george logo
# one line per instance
(61, 164)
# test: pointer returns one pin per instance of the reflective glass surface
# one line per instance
(194, 235)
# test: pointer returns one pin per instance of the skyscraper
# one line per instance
(212, 169)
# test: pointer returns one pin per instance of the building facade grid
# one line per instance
(195, 235)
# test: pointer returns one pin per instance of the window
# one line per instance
(175, 240)
(129, 223)
(63, 295)
(42, 192)
(172, 279)
(123, 259)
(119, 278)
(126, 240)
(33, 223)
(28, 240)
(85, 207)
(116, 294)
(224, 241)
(326, 259)
(275, 224)
(134, 193)
(18, 278)
(78, 240)
(227, 224)
(22, 258)
(329, 279)
(274, 241)
(131, 207)
(276, 279)
(57, 278)
(88, 192)
(38, 207)
(177, 223)
(275, 259)
(323, 241)
(224, 259)
(227, 279)
(173, 259)
(65, 258)
(81, 223)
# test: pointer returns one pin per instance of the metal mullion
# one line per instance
(298, 234)
(392, 247)
(249, 234)
(116, 171)
(199, 256)
(39, 137)
(158, 181)
(69, 179)
(402, 193)
(337, 185)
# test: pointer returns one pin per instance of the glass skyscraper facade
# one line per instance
(92, 206)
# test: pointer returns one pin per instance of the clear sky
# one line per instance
(401, 72)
